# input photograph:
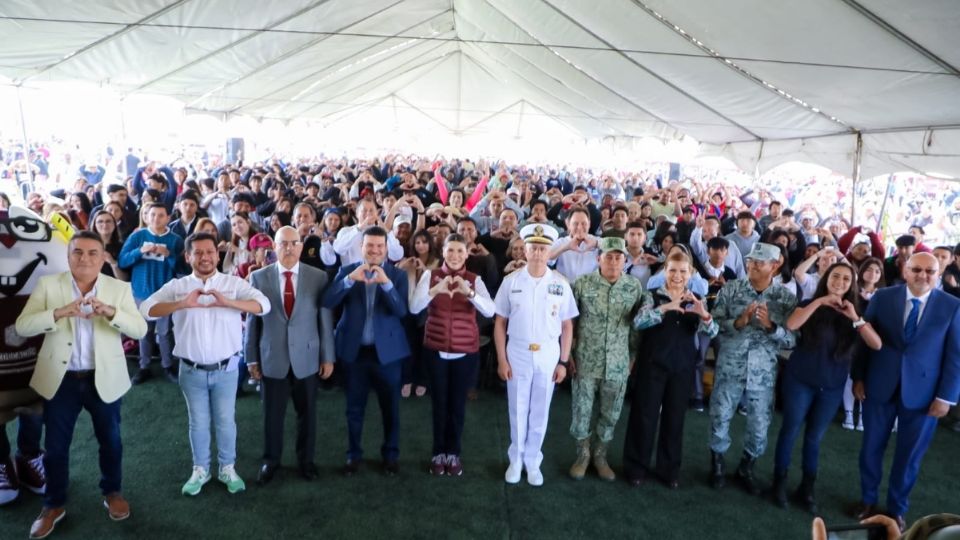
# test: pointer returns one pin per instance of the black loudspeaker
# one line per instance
(674, 171)
(234, 150)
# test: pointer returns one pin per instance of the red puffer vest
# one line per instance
(451, 321)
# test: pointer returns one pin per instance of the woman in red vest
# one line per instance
(452, 297)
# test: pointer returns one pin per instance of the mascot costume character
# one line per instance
(29, 248)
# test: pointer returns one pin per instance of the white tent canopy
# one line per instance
(760, 82)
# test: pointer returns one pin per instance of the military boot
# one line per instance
(579, 468)
(600, 462)
(780, 488)
(745, 474)
(805, 493)
(716, 470)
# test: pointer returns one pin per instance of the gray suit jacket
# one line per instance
(302, 341)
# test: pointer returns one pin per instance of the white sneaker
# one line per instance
(232, 480)
(848, 421)
(512, 475)
(198, 478)
(534, 477)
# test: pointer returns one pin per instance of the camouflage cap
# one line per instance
(612, 243)
(764, 252)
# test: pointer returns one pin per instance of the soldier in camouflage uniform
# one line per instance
(751, 313)
(607, 300)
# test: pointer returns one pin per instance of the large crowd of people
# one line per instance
(411, 276)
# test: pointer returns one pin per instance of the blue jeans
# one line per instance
(60, 417)
(158, 332)
(210, 395)
(29, 433)
(816, 406)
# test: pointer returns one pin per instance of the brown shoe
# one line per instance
(46, 521)
(117, 507)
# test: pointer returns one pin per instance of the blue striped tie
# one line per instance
(910, 329)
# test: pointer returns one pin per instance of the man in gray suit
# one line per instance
(287, 348)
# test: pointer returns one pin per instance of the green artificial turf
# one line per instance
(416, 505)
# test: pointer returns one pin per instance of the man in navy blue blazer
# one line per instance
(914, 377)
(371, 343)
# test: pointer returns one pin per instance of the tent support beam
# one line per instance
(649, 71)
(855, 179)
(421, 111)
(26, 146)
(110, 37)
(493, 114)
(927, 53)
(330, 68)
(520, 119)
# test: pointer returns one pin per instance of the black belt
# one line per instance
(215, 366)
(80, 373)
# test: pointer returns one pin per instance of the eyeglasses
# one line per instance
(927, 271)
(289, 243)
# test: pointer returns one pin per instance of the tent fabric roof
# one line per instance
(758, 81)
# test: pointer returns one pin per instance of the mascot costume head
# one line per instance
(29, 248)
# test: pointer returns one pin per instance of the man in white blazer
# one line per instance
(81, 365)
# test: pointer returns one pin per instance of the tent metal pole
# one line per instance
(855, 179)
(756, 167)
(26, 144)
(883, 207)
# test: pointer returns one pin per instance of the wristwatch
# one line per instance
(858, 324)
(564, 363)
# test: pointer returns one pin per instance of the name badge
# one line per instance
(516, 291)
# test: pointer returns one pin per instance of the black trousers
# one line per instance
(450, 380)
(276, 394)
(658, 396)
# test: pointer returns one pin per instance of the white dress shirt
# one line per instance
(349, 245)
(81, 358)
(206, 335)
(576, 262)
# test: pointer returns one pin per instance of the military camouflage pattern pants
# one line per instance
(723, 406)
(596, 402)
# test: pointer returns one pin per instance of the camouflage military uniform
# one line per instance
(602, 352)
(747, 360)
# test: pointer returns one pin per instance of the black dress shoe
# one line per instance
(351, 467)
(141, 376)
(864, 510)
(309, 472)
(391, 468)
(266, 473)
(672, 484)
(171, 375)
(902, 523)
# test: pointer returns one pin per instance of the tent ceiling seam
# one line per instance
(576, 69)
(650, 71)
(90, 46)
(331, 66)
(231, 45)
(895, 32)
(725, 60)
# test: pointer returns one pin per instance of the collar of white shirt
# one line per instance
(923, 298)
(295, 269)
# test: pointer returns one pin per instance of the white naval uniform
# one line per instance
(535, 309)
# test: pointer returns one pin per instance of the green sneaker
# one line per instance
(232, 480)
(198, 478)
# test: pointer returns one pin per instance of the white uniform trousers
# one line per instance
(529, 392)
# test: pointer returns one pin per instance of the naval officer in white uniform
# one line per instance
(533, 333)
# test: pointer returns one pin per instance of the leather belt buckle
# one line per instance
(533, 347)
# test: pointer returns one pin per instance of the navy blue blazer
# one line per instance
(927, 367)
(390, 338)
